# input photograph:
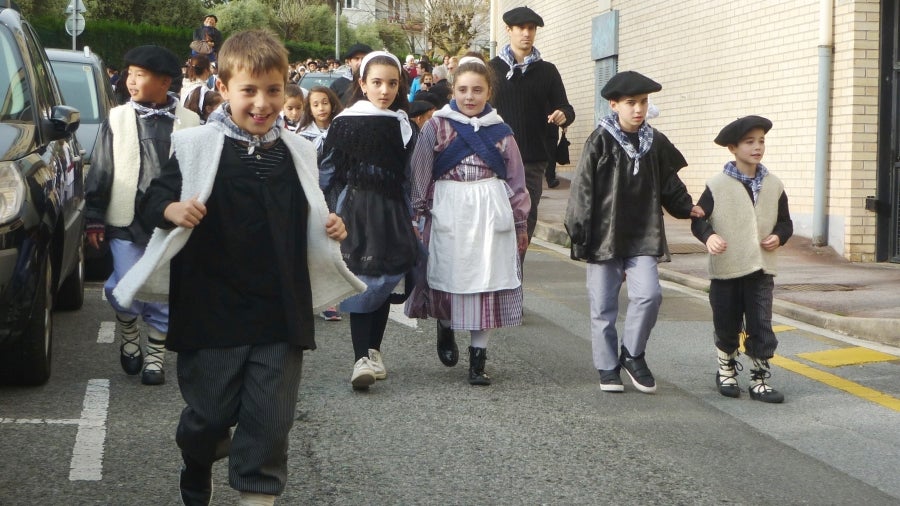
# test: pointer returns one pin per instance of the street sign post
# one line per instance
(75, 19)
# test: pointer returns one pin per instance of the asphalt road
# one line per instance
(544, 433)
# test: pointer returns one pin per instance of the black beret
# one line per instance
(628, 84)
(355, 49)
(155, 59)
(211, 16)
(419, 107)
(737, 129)
(522, 16)
(427, 96)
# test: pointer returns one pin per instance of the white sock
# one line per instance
(251, 499)
(480, 338)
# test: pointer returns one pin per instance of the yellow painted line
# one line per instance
(839, 357)
(775, 328)
(834, 381)
(782, 328)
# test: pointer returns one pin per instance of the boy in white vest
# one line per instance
(246, 242)
(747, 219)
(133, 144)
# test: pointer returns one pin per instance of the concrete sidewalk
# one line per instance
(814, 285)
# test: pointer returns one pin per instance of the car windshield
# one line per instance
(317, 79)
(79, 89)
(15, 101)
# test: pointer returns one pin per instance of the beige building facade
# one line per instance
(718, 60)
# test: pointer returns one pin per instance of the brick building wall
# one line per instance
(716, 64)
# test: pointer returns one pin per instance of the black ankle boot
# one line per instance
(447, 349)
(477, 358)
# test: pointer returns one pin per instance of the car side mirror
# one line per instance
(64, 121)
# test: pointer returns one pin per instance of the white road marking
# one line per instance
(107, 333)
(87, 456)
(90, 440)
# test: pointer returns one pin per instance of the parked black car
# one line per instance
(41, 204)
(84, 84)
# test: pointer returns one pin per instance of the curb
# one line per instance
(878, 330)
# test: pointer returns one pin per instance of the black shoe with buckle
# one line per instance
(447, 350)
(637, 370)
(195, 483)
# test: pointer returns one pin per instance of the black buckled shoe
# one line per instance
(637, 370)
(447, 350)
(131, 364)
(195, 483)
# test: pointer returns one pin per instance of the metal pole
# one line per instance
(826, 50)
(337, 30)
(74, 27)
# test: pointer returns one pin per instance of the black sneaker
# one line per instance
(637, 370)
(610, 381)
(195, 483)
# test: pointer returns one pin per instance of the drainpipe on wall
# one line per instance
(493, 17)
(823, 109)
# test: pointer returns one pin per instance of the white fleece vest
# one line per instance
(198, 151)
(743, 226)
(127, 159)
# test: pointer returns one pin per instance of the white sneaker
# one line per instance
(377, 364)
(363, 374)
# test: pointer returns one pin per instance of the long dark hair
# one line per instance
(401, 101)
(307, 116)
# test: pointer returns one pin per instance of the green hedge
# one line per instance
(112, 39)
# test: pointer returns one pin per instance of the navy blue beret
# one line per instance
(737, 129)
(155, 59)
(628, 84)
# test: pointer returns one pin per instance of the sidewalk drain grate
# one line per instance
(816, 287)
(683, 249)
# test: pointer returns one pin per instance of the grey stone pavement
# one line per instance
(814, 285)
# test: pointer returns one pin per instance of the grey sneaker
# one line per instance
(363, 374)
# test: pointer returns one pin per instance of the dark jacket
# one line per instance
(525, 101)
(613, 213)
(245, 263)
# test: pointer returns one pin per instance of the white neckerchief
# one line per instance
(366, 108)
(491, 118)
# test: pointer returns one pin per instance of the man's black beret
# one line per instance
(419, 107)
(628, 84)
(356, 49)
(155, 59)
(737, 129)
(522, 16)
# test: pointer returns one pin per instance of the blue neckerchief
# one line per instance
(483, 143)
(755, 183)
(506, 54)
(611, 124)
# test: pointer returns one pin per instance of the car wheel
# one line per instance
(71, 293)
(32, 365)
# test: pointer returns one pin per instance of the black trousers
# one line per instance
(739, 300)
(254, 387)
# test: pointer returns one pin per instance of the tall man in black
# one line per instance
(529, 95)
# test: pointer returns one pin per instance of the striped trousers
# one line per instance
(747, 298)
(253, 387)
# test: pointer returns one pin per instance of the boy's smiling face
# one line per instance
(749, 150)
(632, 111)
(256, 100)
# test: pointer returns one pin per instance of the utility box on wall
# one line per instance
(605, 53)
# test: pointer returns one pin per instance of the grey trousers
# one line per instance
(253, 387)
(604, 281)
(534, 182)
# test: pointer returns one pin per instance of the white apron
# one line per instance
(473, 238)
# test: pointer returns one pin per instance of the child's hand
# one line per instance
(697, 212)
(770, 243)
(334, 227)
(716, 244)
(522, 241)
(186, 213)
